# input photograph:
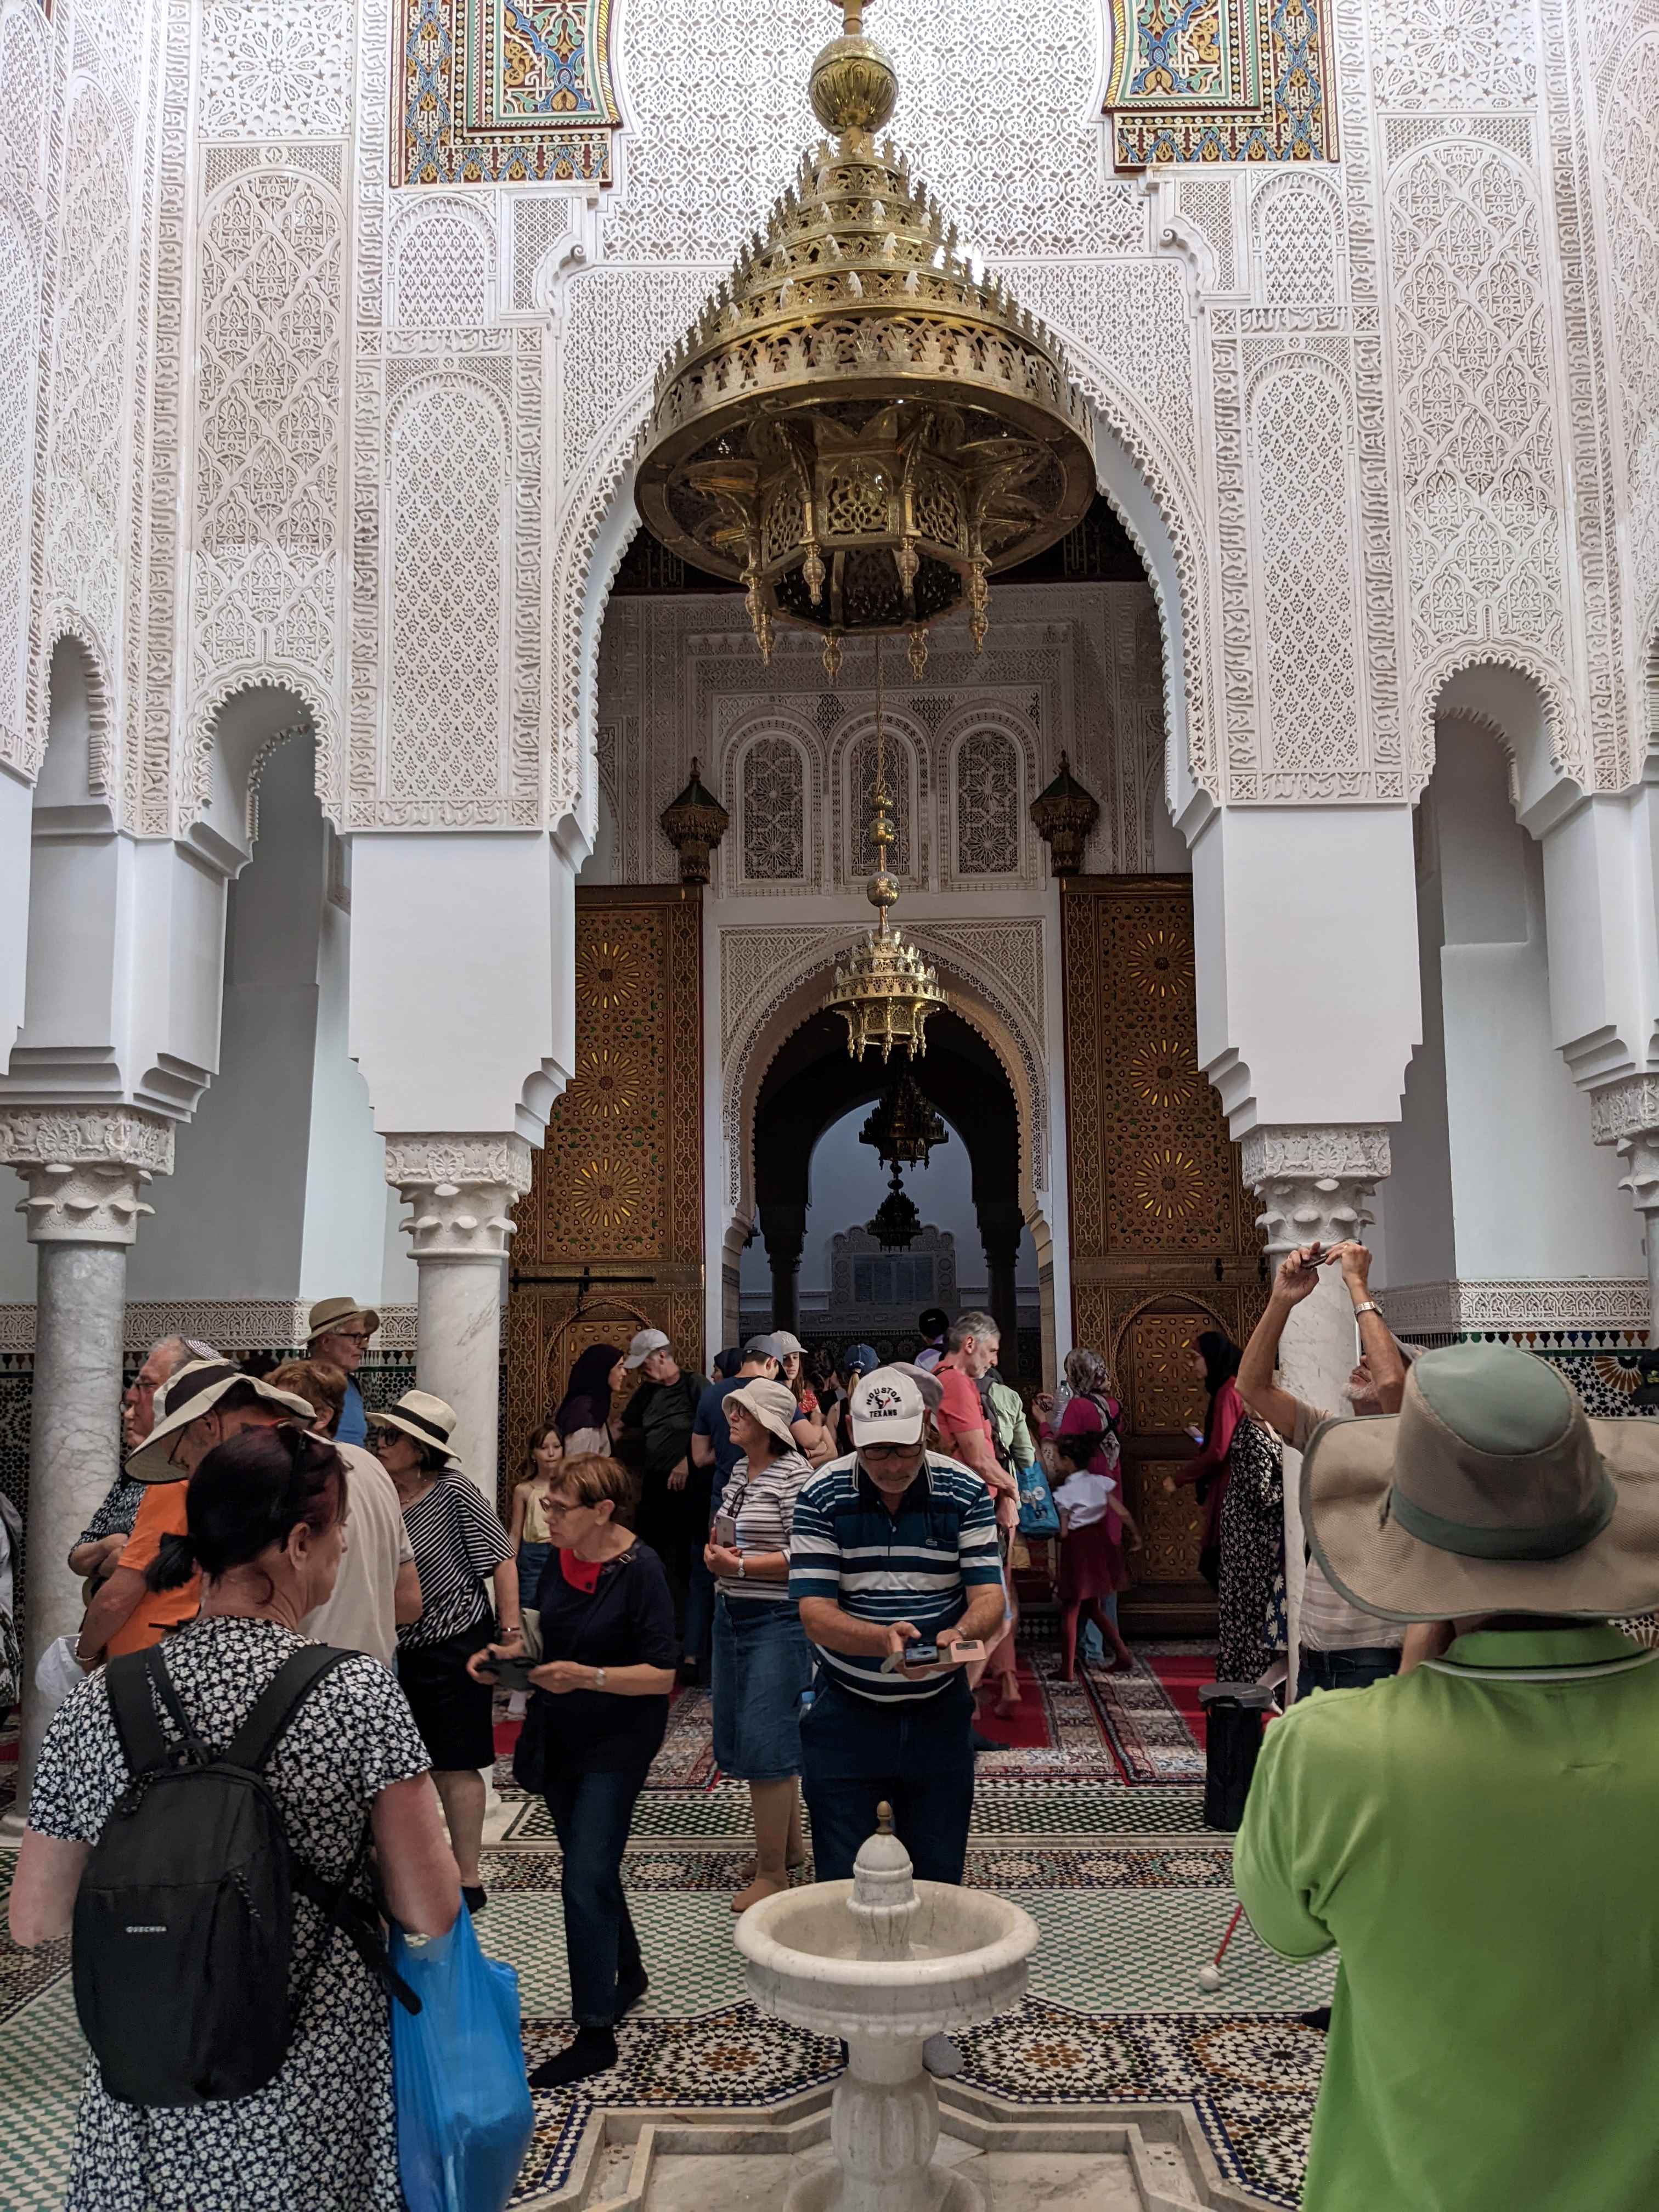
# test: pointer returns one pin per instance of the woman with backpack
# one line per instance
(220, 2034)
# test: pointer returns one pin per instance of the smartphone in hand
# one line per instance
(725, 1530)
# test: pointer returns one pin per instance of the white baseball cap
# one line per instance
(887, 1408)
(647, 1341)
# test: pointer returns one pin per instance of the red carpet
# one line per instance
(1182, 1678)
(1026, 1729)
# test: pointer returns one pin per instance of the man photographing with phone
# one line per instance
(892, 1549)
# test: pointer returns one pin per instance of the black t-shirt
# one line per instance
(627, 1621)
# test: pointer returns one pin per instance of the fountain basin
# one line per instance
(804, 1959)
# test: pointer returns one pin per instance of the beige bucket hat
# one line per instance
(1489, 1491)
(430, 1420)
(196, 1389)
(772, 1404)
(330, 1314)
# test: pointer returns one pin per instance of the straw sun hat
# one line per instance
(1489, 1491)
(196, 1389)
(430, 1420)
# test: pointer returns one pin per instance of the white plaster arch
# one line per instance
(1159, 512)
(218, 782)
(1529, 701)
(746, 731)
(64, 621)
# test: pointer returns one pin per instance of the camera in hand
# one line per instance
(511, 1674)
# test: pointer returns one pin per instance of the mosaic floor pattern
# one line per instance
(1104, 1847)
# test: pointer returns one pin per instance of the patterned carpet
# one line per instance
(1092, 1821)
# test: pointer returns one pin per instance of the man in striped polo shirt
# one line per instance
(892, 1547)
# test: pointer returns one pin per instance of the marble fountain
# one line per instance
(884, 1961)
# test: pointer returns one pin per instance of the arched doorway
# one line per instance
(813, 1083)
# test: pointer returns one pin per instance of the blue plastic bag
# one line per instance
(457, 2074)
(1038, 1517)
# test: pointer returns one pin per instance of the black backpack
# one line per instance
(184, 1918)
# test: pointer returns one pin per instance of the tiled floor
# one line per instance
(1130, 1892)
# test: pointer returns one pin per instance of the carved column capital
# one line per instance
(460, 1191)
(84, 1167)
(1620, 1111)
(1640, 1154)
(1313, 1180)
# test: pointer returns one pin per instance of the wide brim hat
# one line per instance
(1490, 1490)
(326, 1317)
(430, 1420)
(772, 1404)
(196, 1389)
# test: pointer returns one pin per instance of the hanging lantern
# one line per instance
(694, 824)
(884, 989)
(903, 1126)
(896, 1223)
(1063, 814)
(857, 428)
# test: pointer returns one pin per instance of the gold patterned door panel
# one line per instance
(1163, 1241)
(616, 1191)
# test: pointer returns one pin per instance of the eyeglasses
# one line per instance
(352, 1335)
(888, 1451)
(563, 1505)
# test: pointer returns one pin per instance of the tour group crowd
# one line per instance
(1457, 1790)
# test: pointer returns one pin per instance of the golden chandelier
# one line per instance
(884, 989)
(858, 428)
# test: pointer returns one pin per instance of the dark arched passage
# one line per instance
(814, 1081)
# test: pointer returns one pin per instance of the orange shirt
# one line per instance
(162, 1513)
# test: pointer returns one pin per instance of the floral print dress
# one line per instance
(320, 2136)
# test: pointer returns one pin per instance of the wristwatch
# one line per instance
(742, 1570)
(1370, 1306)
(599, 1678)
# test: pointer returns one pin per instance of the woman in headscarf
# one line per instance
(583, 1419)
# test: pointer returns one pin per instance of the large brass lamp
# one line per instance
(858, 428)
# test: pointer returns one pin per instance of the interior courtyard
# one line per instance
(437, 823)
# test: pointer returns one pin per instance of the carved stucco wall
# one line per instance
(1491, 225)
(1071, 668)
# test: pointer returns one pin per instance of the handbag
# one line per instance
(1039, 1517)
(457, 2074)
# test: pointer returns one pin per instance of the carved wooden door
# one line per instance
(1164, 1238)
(617, 1191)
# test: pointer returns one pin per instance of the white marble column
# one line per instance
(1313, 1183)
(460, 1191)
(1626, 1116)
(84, 1170)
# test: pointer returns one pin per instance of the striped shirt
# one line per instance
(917, 1563)
(763, 1507)
(457, 1543)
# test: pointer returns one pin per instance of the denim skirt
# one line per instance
(762, 1662)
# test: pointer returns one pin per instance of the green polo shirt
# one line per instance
(1478, 1837)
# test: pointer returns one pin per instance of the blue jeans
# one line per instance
(593, 1813)
(1354, 1667)
(917, 1752)
(762, 1662)
(533, 1562)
